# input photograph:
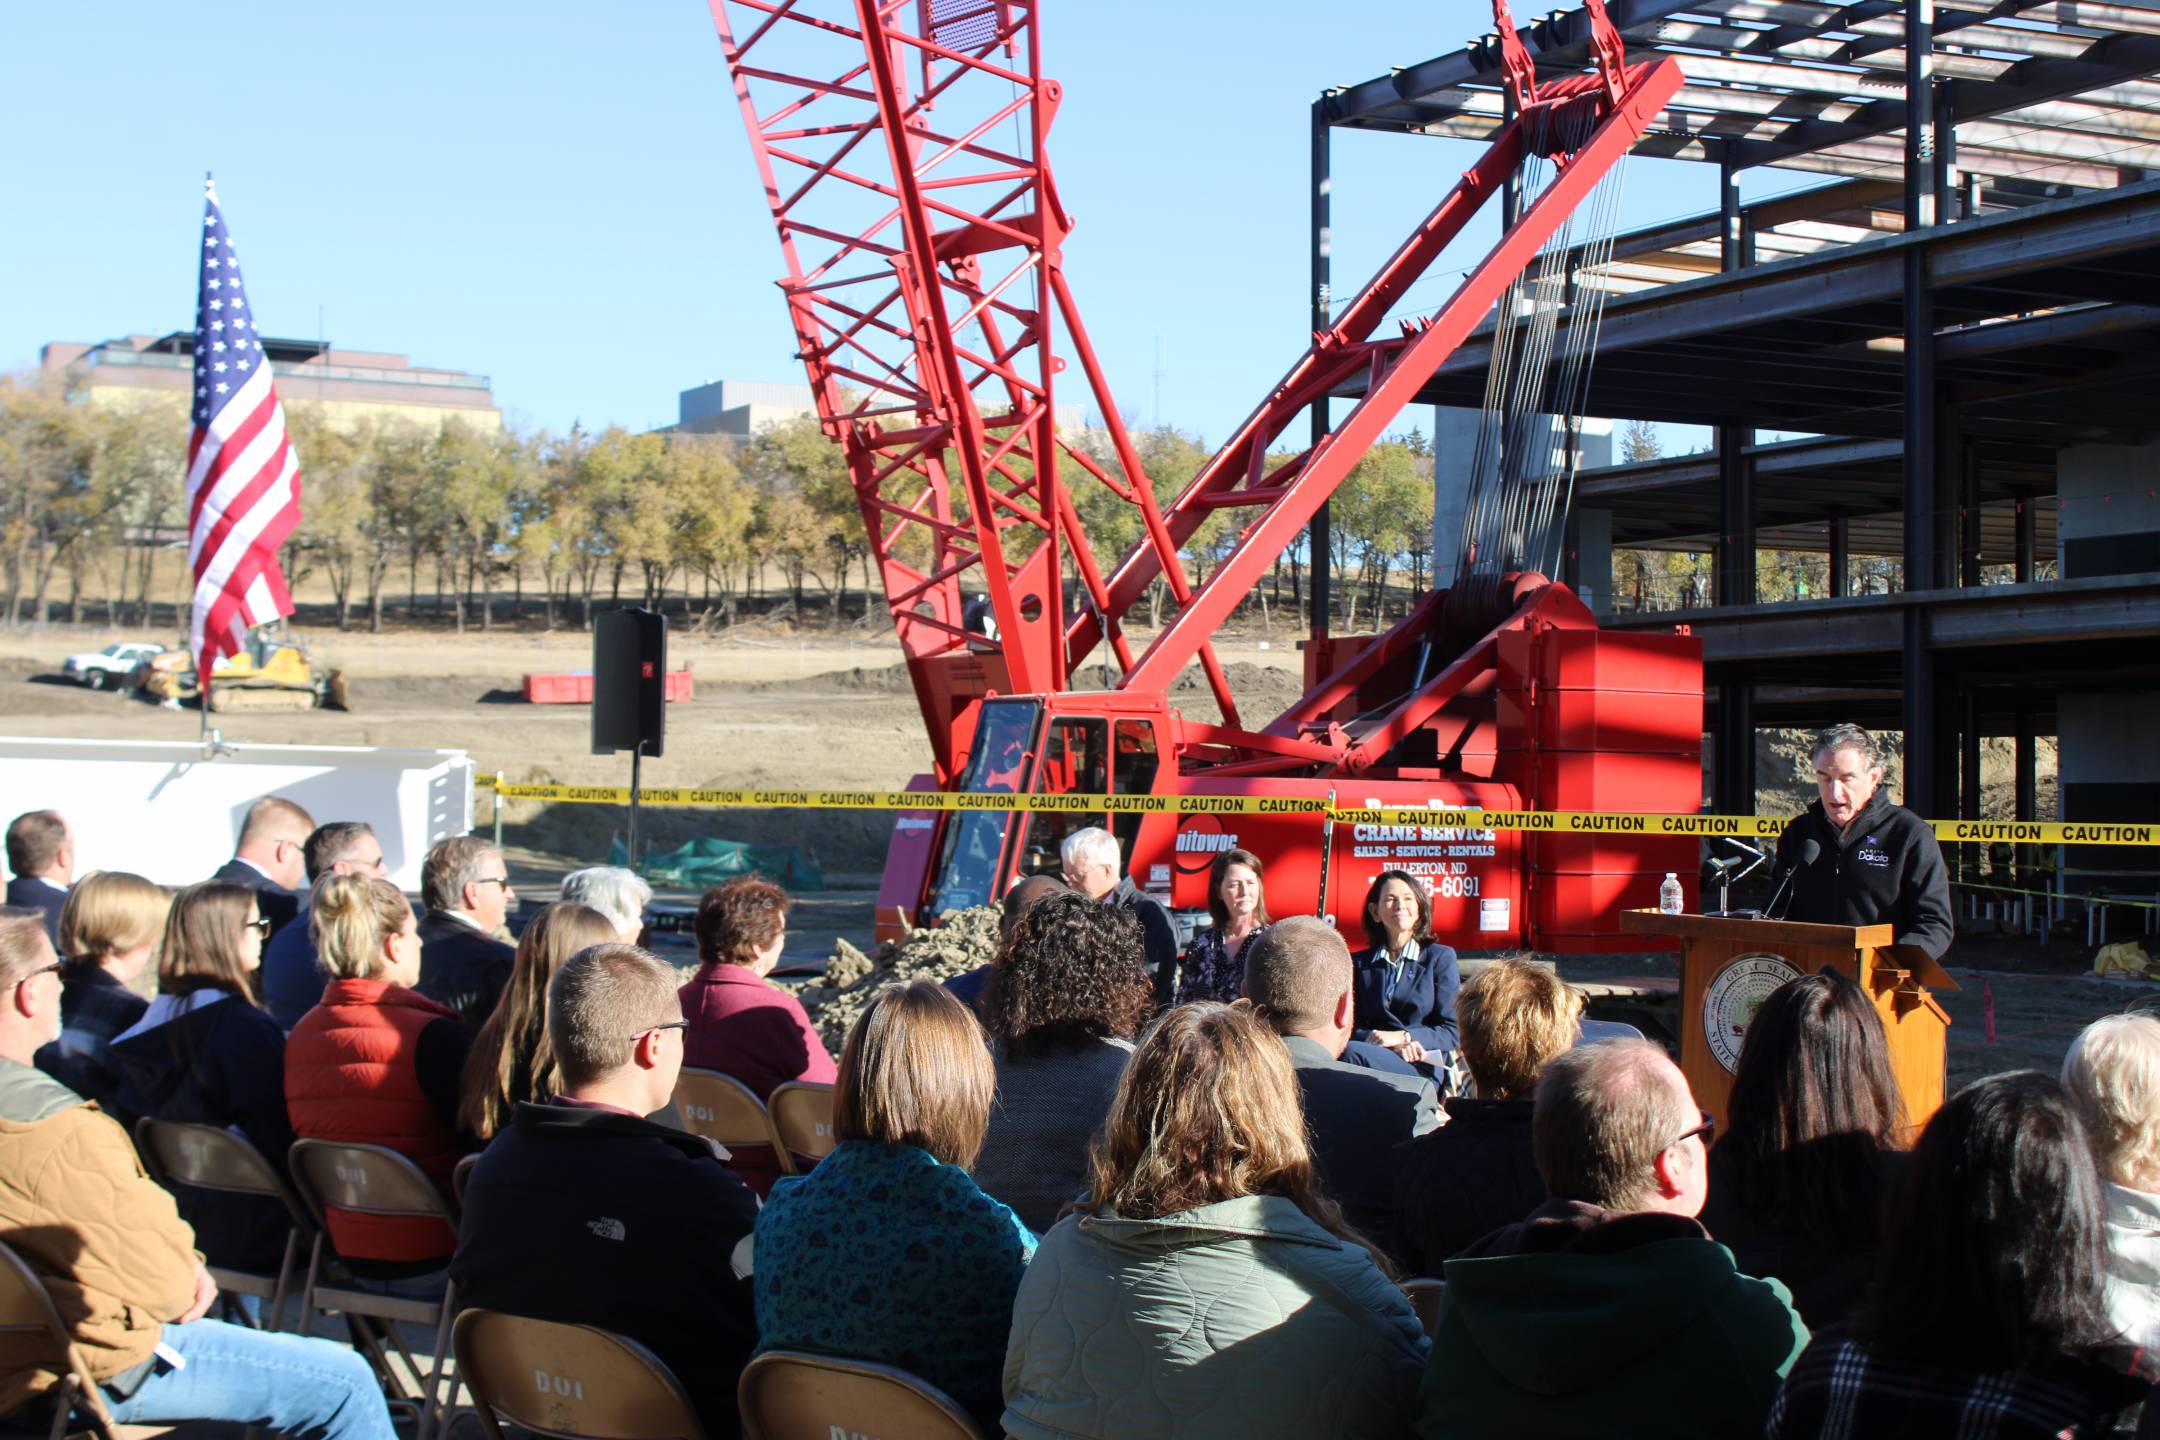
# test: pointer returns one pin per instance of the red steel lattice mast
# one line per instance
(925, 284)
(901, 145)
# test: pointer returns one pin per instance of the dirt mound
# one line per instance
(967, 939)
(885, 680)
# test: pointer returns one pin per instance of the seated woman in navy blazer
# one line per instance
(1405, 981)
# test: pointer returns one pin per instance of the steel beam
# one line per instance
(2117, 609)
(1735, 777)
(1840, 540)
(1918, 666)
(2027, 747)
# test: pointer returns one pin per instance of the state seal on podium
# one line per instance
(1732, 998)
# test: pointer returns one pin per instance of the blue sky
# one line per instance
(560, 196)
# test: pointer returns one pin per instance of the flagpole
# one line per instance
(202, 680)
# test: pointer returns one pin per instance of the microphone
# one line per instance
(1810, 852)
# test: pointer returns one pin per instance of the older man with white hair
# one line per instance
(1092, 863)
(616, 893)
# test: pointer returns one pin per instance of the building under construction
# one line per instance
(1964, 320)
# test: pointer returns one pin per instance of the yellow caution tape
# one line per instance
(1551, 822)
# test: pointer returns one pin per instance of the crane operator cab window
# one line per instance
(1136, 763)
(1075, 761)
(975, 839)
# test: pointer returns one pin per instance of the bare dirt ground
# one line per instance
(774, 710)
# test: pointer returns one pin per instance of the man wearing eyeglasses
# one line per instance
(643, 1229)
(121, 1265)
(468, 896)
(290, 982)
(270, 858)
(1609, 1310)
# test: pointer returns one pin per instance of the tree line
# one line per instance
(90, 495)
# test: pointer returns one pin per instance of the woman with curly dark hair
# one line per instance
(1068, 991)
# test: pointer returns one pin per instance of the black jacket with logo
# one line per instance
(1886, 870)
(592, 1217)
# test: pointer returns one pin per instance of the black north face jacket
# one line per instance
(1886, 870)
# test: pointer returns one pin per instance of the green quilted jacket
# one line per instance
(1238, 1319)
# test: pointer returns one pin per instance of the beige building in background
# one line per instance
(347, 386)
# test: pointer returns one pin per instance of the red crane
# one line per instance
(902, 147)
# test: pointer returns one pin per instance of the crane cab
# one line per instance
(1046, 747)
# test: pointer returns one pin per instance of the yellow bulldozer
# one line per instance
(270, 674)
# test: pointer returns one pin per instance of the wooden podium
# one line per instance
(1728, 966)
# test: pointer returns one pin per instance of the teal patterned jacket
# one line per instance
(885, 1253)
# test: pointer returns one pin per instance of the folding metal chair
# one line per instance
(571, 1382)
(27, 1313)
(1426, 1297)
(460, 1178)
(374, 1180)
(801, 1116)
(790, 1395)
(209, 1157)
(720, 1107)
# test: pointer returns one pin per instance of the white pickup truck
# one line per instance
(109, 668)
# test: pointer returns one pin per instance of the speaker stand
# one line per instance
(637, 757)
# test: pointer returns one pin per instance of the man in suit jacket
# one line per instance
(271, 858)
(467, 892)
(290, 981)
(41, 852)
(1297, 976)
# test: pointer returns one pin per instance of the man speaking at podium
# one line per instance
(1853, 858)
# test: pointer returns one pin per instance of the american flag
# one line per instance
(243, 480)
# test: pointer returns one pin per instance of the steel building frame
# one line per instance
(1988, 255)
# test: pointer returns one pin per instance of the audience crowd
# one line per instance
(1100, 1188)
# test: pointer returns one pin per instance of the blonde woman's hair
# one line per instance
(916, 1071)
(2113, 1075)
(1208, 1110)
(350, 916)
(110, 912)
(1514, 1016)
(202, 942)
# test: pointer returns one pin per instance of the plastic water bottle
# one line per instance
(1669, 899)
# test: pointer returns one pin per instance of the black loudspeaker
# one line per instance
(629, 675)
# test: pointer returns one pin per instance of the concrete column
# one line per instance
(2110, 521)
(2108, 770)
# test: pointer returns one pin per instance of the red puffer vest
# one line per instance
(350, 1076)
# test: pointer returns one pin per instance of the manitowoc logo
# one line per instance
(1204, 842)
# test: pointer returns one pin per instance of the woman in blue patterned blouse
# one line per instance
(888, 1251)
(1214, 964)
